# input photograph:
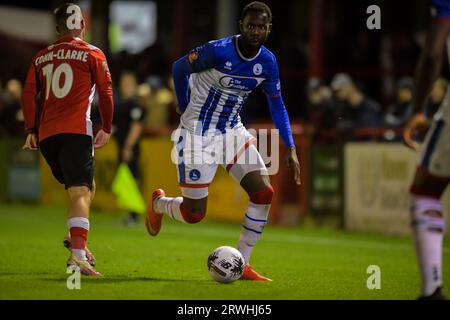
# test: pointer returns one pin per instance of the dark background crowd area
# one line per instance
(340, 80)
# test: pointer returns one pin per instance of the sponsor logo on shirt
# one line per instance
(257, 69)
(246, 84)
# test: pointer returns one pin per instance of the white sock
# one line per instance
(428, 233)
(171, 207)
(81, 254)
(254, 222)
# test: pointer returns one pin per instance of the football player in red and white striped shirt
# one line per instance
(65, 76)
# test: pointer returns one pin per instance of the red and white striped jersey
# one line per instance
(66, 75)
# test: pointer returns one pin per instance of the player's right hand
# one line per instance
(416, 122)
(31, 142)
(101, 139)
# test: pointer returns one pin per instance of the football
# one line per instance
(225, 264)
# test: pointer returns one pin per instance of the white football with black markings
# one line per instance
(225, 264)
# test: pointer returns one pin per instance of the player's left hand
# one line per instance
(31, 142)
(415, 122)
(292, 161)
(101, 139)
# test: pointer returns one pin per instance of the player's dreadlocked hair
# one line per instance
(258, 7)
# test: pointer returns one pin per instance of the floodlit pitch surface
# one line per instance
(304, 263)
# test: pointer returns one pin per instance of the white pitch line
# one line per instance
(213, 232)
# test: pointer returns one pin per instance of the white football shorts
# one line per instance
(197, 158)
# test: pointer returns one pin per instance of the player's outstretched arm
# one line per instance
(428, 70)
(280, 118)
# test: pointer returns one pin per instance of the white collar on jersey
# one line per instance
(240, 53)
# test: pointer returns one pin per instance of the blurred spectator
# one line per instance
(320, 110)
(355, 110)
(129, 119)
(143, 92)
(397, 113)
(11, 117)
(158, 105)
(436, 96)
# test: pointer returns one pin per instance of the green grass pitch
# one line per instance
(305, 263)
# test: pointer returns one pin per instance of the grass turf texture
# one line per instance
(304, 263)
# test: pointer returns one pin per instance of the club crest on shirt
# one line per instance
(194, 174)
(257, 69)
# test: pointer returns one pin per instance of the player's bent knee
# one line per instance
(77, 194)
(263, 196)
(191, 216)
(427, 185)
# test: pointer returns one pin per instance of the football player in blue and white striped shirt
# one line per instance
(212, 84)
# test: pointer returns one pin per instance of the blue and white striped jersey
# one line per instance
(221, 81)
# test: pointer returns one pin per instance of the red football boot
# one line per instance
(250, 274)
(154, 219)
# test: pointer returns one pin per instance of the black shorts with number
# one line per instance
(70, 158)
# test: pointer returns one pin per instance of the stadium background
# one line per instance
(342, 184)
(354, 177)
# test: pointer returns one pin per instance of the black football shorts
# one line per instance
(70, 157)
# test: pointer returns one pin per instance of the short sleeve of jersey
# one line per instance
(202, 58)
(271, 86)
(442, 9)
